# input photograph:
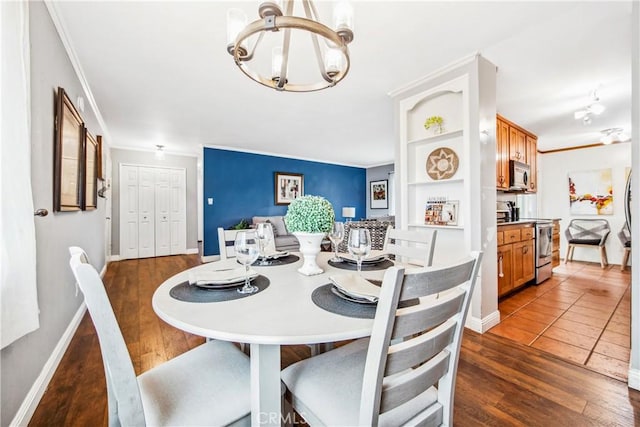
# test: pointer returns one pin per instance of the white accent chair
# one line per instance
(226, 239)
(405, 373)
(625, 240)
(209, 385)
(587, 233)
(414, 247)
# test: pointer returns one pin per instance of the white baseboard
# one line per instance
(483, 325)
(192, 251)
(634, 378)
(114, 258)
(209, 258)
(32, 399)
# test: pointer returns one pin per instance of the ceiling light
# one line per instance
(594, 108)
(329, 45)
(612, 135)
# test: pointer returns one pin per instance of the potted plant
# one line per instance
(435, 122)
(309, 218)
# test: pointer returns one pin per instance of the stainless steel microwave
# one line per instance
(519, 174)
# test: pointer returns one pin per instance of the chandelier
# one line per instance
(246, 45)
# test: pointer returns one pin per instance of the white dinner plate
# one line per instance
(375, 256)
(218, 278)
(356, 286)
(336, 291)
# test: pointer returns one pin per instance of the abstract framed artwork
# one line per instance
(287, 187)
(68, 156)
(591, 192)
(379, 194)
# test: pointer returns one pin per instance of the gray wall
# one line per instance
(22, 361)
(376, 174)
(146, 158)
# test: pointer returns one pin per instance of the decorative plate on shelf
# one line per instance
(442, 163)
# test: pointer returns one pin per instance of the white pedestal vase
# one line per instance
(309, 248)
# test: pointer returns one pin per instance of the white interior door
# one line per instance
(128, 211)
(178, 211)
(162, 192)
(146, 212)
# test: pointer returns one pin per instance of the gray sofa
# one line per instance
(284, 240)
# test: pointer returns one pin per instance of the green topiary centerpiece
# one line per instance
(310, 218)
(310, 214)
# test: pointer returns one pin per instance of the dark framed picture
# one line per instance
(99, 162)
(90, 172)
(288, 187)
(379, 194)
(68, 156)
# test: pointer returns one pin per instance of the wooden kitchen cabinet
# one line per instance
(532, 161)
(502, 155)
(505, 260)
(515, 143)
(516, 256)
(555, 254)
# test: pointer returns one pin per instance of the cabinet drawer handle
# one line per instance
(500, 272)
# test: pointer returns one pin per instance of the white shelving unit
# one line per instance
(463, 94)
(417, 143)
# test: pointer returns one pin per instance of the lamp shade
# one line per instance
(349, 212)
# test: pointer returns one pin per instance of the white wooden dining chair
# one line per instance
(226, 239)
(411, 246)
(209, 385)
(405, 373)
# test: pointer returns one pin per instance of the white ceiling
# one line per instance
(160, 73)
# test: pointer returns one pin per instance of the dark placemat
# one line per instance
(289, 259)
(324, 298)
(192, 293)
(327, 300)
(382, 265)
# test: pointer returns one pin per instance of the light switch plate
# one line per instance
(210, 201)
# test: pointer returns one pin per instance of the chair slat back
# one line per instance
(411, 246)
(121, 377)
(597, 229)
(226, 240)
(397, 371)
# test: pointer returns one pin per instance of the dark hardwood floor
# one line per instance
(500, 382)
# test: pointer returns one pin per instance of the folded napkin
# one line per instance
(355, 285)
(219, 277)
(374, 256)
(275, 254)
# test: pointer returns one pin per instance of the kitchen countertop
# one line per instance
(528, 221)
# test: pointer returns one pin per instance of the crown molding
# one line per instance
(58, 22)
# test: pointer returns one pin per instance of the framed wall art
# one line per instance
(99, 163)
(591, 192)
(68, 155)
(90, 172)
(379, 194)
(287, 187)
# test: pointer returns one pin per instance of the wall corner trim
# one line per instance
(32, 399)
(483, 325)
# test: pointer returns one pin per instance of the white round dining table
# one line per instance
(281, 314)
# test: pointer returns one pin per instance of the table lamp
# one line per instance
(349, 213)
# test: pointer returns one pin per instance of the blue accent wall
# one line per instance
(242, 186)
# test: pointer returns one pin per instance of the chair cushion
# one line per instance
(329, 386)
(209, 385)
(595, 242)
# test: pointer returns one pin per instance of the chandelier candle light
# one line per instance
(329, 45)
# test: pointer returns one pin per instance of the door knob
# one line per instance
(41, 212)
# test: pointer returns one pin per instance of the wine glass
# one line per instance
(359, 245)
(264, 233)
(336, 235)
(246, 247)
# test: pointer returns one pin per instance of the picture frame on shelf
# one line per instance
(287, 187)
(68, 156)
(379, 194)
(90, 169)
(441, 212)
